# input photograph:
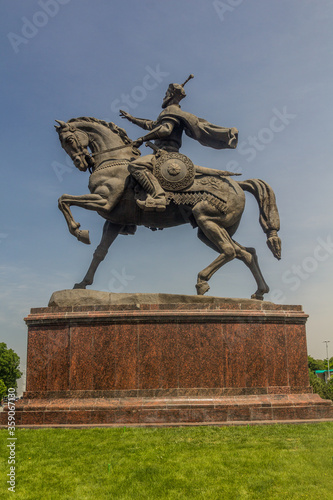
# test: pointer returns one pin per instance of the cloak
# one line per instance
(201, 130)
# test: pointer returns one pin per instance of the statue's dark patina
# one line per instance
(164, 189)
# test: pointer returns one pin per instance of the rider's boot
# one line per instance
(156, 199)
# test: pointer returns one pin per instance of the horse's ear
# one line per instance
(63, 125)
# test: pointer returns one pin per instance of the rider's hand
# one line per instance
(124, 114)
(138, 142)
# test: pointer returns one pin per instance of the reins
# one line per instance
(98, 152)
(112, 149)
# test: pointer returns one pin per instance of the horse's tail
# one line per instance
(269, 216)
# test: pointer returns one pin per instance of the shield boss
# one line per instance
(174, 171)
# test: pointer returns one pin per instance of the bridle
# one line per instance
(84, 151)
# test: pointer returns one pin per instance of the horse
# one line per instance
(215, 206)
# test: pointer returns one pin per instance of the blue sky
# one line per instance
(254, 62)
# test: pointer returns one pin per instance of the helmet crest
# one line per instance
(177, 90)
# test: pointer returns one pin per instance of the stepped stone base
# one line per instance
(217, 410)
(159, 358)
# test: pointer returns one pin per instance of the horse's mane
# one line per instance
(112, 126)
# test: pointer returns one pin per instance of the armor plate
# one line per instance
(174, 171)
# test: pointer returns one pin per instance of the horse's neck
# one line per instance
(104, 139)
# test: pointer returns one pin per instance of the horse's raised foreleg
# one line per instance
(88, 201)
(110, 233)
(73, 226)
(249, 257)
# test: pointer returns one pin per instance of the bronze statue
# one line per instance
(165, 189)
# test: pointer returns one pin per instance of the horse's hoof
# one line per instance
(79, 286)
(83, 236)
(257, 296)
(202, 287)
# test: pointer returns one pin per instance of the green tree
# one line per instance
(9, 367)
(3, 389)
(316, 364)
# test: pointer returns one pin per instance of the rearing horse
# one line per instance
(214, 205)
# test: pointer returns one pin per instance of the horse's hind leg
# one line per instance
(216, 237)
(110, 233)
(202, 237)
(249, 257)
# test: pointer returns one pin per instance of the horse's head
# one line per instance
(75, 142)
(106, 141)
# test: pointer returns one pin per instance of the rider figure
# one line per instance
(167, 132)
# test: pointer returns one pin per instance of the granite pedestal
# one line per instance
(166, 359)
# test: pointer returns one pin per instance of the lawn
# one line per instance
(250, 462)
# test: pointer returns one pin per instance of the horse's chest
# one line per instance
(109, 179)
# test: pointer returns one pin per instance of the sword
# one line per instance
(152, 146)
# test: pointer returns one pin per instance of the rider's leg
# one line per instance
(142, 171)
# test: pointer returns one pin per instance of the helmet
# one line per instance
(175, 90)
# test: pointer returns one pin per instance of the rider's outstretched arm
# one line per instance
(141, 122)
(162, 130)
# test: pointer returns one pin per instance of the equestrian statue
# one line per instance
(164, 189)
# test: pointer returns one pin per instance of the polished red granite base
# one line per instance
(173, 410)
(215, 361)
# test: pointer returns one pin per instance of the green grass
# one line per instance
(261, 462)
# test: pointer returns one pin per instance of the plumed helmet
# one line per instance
(178, 90)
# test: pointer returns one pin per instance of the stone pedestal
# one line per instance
(140, 359)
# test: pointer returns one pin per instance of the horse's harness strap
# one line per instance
(110, 165)
(112, 149)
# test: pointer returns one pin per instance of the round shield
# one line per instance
(174, 171)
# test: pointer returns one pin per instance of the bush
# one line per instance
(324, 390)
(329, 389)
